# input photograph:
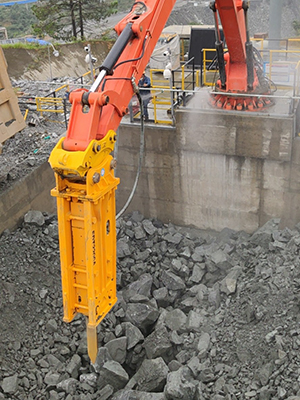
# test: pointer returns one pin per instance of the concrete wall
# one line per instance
(30, 193)
(212, 171)
(215, 170)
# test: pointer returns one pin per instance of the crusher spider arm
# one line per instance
(84, 169)
(238, 68)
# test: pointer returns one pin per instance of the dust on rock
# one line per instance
(233, 334)
(32, 146)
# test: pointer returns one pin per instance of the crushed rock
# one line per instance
(233, 334)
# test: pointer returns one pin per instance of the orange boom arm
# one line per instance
(84, 169)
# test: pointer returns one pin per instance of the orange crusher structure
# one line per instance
(84, 168)
(242, 84)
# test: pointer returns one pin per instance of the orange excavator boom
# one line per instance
(84, 169)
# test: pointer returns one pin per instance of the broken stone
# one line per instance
(123, 249)
(74, 366)
(139, 232)
(68, 385)
(194, 321)
(198, 273)
(102, 357)
(161, 295)
(157, 344)
(221, 260)
(117, 349)
(150, 377)
(203, 345)
(51, 378)
(229, 283)
(90, 379)
(10, 384)
(34, 218)
(113, 374)
(51, 326)
(180, 385)
(133, 334)
(176, 320)
(214, 295)
(264, 373)
(105, 393)
(149, 227)
(142, 315)
(142, 286)
(172, 281)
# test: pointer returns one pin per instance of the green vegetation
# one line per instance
(60, 19)
(65, 19)
(17, 19)
(19, 45)
(296, 26)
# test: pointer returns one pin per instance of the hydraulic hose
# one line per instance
(140, 162)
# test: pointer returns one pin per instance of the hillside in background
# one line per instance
(18, 18)
(197, 12)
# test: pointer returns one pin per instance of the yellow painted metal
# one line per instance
(182, 77)
(79, 162)
(182, 50)
(65, 86)
(260, 41)
(197, 78)
(297, 81)
(87, 229)
(26, 113)
(92, 342)
(205, 62)
(49, 104)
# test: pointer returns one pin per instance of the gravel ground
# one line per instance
(26, 150)
(199, 316)
(32, 146)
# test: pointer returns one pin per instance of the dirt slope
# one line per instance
(34, 64)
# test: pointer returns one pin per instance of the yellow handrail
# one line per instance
(205, 61)
(49, 104)
(26, 113)
(280, 52)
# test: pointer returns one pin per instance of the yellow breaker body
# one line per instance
(85, 181)
(87, 233)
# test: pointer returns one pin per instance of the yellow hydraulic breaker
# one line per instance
(87, 231)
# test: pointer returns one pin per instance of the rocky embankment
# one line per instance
(200, 316)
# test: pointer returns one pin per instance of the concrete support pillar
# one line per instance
(275, 23)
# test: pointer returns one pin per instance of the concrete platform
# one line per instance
(216, 168)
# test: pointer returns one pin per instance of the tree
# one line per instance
(296, 26)
(17, 19)
(65, 19)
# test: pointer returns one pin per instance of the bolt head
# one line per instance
(96, 177)
(113, 164)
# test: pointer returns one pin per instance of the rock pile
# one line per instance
(31, 147)
(199, 316)
(27, 150)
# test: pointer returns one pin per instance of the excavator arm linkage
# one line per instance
(84, 169)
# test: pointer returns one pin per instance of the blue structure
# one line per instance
(39, 41)
(11, 3)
